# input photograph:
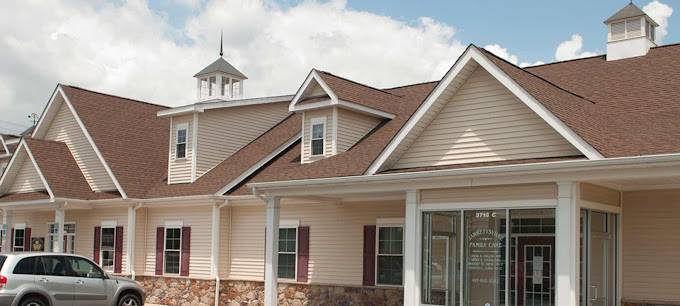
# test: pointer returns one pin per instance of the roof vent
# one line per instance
(631, 33)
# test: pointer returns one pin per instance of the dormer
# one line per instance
(337, 113)
(631, 33)
(220, 81)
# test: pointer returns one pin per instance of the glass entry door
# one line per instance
(598, 287)
(440, 258)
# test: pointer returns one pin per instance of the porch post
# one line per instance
(131, 237)
(411, 254)
(272, 246)
(566, 244)
(7, 225)
(215, 240)
(58, 245)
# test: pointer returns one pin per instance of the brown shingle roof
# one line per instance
(131, 138)
(365, 95)
(26, 196)
(59, 168)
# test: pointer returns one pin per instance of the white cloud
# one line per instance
(572, 49)
(503, 53)
(660, 12)
(127, 49)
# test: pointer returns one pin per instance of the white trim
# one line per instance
(35, 164)
(595, 206)
(377, 254)
(334, 131)
(194, 147)
(4, 146)
(389, 221)
(271, 262)
(258, 165)
(181, 126)
(312, 122)
(313, 75)
(92, 144)
(365, 109)
(101, 248)
(3, 175)
(472, 53)
(218, 102)
(170, 144)
(109, 224)
(510, 204)
(174, 224)
(165, 249)
(42, 119)
(19, 226)
(289, 223)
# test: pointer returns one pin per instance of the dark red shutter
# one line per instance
(11, 240)
(186, 251)
(97, 243)
(65, 239)
(303, 254)
(369, 255)
(118, 254)
(27, 239)
(160, 236)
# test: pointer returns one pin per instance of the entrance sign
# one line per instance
(485, 257)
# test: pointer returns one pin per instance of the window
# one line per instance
(108, 248)
(212, 87)
(626, 29)
(318, 133)
(226, 88)
(204, 87)
(19, 240)
(287, 253)
(69, 237)
(81, 267)
(172, 251)
(181, 141)
(51, 265)
(25, 266)
(390, 255)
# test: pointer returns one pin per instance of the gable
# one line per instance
(63, 127)
(27, 179)
(483, 121)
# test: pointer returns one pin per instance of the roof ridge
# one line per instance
(114, 96)
(565, 61)
(357, 83)
(540, 78)
(411, 85)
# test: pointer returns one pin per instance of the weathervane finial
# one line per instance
(221, 43)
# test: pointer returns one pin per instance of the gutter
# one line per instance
(545, 167)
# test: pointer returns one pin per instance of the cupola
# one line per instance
(631, 33)
(220, 80)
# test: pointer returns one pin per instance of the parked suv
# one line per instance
(53, 279)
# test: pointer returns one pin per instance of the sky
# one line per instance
(149, 50)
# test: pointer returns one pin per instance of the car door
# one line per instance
(91, 288)
(52, 275)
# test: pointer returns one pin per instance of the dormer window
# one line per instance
(318, 136)
(181, 142)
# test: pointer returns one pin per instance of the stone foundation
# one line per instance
(648, 303)
(178, 291)
(193, 292)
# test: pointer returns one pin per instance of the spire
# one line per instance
(221, 44)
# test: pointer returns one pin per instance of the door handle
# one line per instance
(43, 280)
(80, 282)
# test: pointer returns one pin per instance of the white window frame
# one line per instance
(212, 87)
(289, 225)
(182, 127)
(50, 235)
(313, 122)
(101, 246)
(14, 238)
(167, 227)
(626, 34)
(388, 223)
(204, 85)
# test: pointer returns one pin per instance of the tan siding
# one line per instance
(336, 238)
(222, 132)
(599, 194)
(651, 244)
(196, 217)
(490, 193)
(27, 179)
(180, 169)
(483, 121)
(64, 128)
(36, 220)
(352, 127)
(306, 135)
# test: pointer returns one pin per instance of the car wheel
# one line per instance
(129, 299)
(33, 301)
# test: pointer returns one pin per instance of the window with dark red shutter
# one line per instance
(118, 253)
(27, 239)
(186, 251)
(160, 240)
(97, 244)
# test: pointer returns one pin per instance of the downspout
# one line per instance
(135, 207)
(217, 268)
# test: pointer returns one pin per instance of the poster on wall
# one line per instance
(37, 244)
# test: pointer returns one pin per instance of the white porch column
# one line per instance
(58, 245)
(411, 249)
(567, 244)
(272, 247)
(131, 238)
(215, 240)
(7, 226)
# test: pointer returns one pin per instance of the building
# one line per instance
(8, 144)
(497, 185)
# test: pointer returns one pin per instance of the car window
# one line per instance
(2, 260)
(52, 265)
(84, 268)
(25, 266)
